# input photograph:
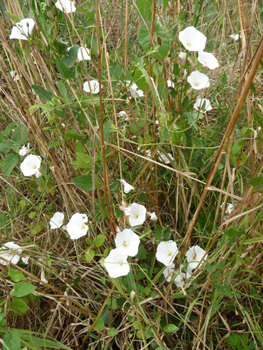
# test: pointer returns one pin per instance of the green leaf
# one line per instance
(224, 289)
(63, 90)
(89, 255)
(254, 240)
(145, 9)
(85, 182)
(170, 328)
(100, 325)
(21, 289)
(16, 275)
(107, 130)
(6, 146)
(231, 232)
(84, 161)
(12, 341)
(42, 93)
(18, 307)
(63, 69)
(9, 163)
(112, 332)
(20, 135)
(9, 128)
(47, 107)
(258, 117)
(99, 240)
(71, 56)
(257, 182)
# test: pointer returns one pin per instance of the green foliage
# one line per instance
(22, 288)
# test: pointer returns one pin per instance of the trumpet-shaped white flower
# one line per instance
(22, 29)
(31, 165)
(207, 59)
(76, 227)
(202, 105)
(194, 255)
(91, 86)
(180, 278)
(123, 114)
(134, 90)
(192, 39)
(229, 208)
(66, 6)
(83, 54)
(117, 264)
(15, 75)
(170, 83)
(23, 151)
(26, 259)
(198, 80)
(182, 55)
(10, 251)
(127, 242)
(137, 214)
(56, 221)
(165, 159)
(166, 252)
(152, 216)
(127, 187)
(235, 36)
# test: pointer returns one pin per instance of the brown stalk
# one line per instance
(105, 179)
(229, 131)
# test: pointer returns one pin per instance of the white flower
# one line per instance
(137, 214)
(202, 105)
(170, 83)
(56, 221)
(168, 272)
(152, 216)
(148, 153)
(25, 260)
(123, 114)
(127, 187)
(91, 86)
(182, 55)
(23, 151)
(83, 53)
(207, 59)
(235, 36)
(76, 226)
(15, 75)
(134, 90)
(194, 255)
(43, 279)
(198, 80)
(229, 208)
(166, 252)
(192, 39)
(31, 165)
(22, 29)
(127, 242)
(11, 254)
(116, 264)
(165, 159)
(65, 6)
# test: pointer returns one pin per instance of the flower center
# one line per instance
(34, 167)
(136, 216)
(125, 244)
(169, 254)
(121, 262)
(195, 84)
(83, 227)
(194, 255)
(189, 44)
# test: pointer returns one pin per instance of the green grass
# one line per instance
(86, 149)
